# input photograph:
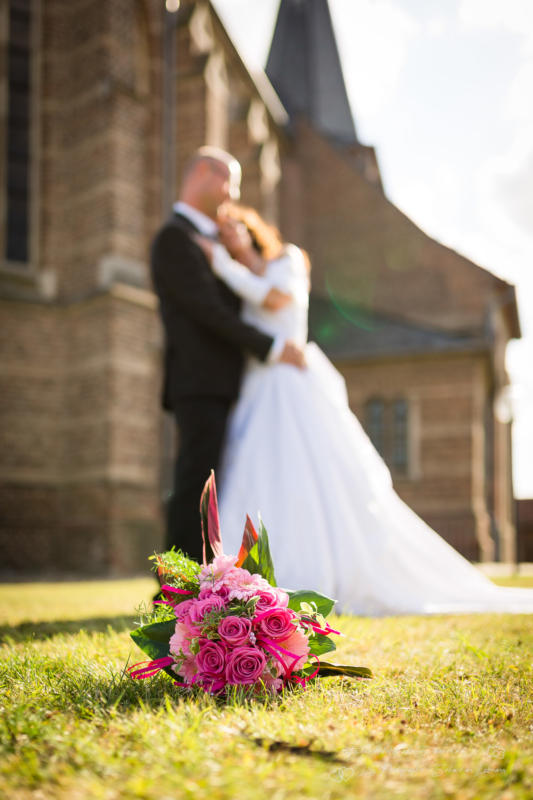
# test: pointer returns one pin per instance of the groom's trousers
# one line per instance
(201, 425)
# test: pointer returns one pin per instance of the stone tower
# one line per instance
(305, 70)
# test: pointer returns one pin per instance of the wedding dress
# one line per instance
(297, 454)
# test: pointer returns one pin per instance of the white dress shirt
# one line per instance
(206, 225)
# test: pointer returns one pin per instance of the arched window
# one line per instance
(387, 425)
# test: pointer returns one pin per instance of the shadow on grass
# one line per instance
(46, 630)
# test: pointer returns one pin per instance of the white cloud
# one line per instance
(515, 15)
(514, 192)
(433, 204)
(438, 26)
(519, 104)
(373, 39)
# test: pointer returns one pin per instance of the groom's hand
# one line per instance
(292, 355)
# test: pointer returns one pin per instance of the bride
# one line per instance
(296, 453)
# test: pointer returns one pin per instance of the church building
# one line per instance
(101, 104)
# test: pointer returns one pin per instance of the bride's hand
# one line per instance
(276, 300)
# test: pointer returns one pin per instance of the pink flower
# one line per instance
(180, 639)
(207, 591)
(297, 643)
(198, 611)
(272, 684)
(235, 630)
(216, 573)
(245, 665)
(187, 668)
(276, 624)
(182, 609)
(211, 659)
(271, 598)
(243, 585)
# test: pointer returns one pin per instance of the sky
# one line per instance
(443, 89)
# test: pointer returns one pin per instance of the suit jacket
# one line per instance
(205, 337)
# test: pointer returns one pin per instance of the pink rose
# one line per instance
(245, 665)
(198, 611)
(207, 591)
(216, 573)
(235, 630)
(271, 598)
(276, 623)
(182, 609)
(297, 643)
(211, 659)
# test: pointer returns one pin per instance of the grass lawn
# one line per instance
(448, 715)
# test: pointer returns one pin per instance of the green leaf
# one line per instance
(259, 560)
(297, 597)
(152, 648)
(154, 640)
(329, 670)
(320, 644)
(158, 631)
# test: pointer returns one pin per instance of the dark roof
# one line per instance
(305, 69)
(349, 332)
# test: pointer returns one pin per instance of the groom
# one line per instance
(205, 339)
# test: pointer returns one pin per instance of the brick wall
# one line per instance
(367, 252)
(445, 486)
(79, 463)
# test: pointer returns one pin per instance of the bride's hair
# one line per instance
(266, 238)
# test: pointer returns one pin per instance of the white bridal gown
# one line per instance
(296, 453)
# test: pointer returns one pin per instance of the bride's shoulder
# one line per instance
(291, 259)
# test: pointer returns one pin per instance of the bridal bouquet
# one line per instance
(227, 623)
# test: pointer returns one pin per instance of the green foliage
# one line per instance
(152, 647)
(259, 560)
(438, 721)
(337, 670)
(174, 566)
(324, 605)
(320, 644)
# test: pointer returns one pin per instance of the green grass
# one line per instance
(449, 713)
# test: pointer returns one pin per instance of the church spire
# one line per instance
(305, 69)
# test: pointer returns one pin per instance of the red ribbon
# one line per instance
(268, 644)
(304, 681)
(152, 669)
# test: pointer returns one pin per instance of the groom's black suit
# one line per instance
(204, 357)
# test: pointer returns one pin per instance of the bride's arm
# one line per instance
(257, 289)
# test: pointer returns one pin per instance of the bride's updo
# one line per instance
(266, 238)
